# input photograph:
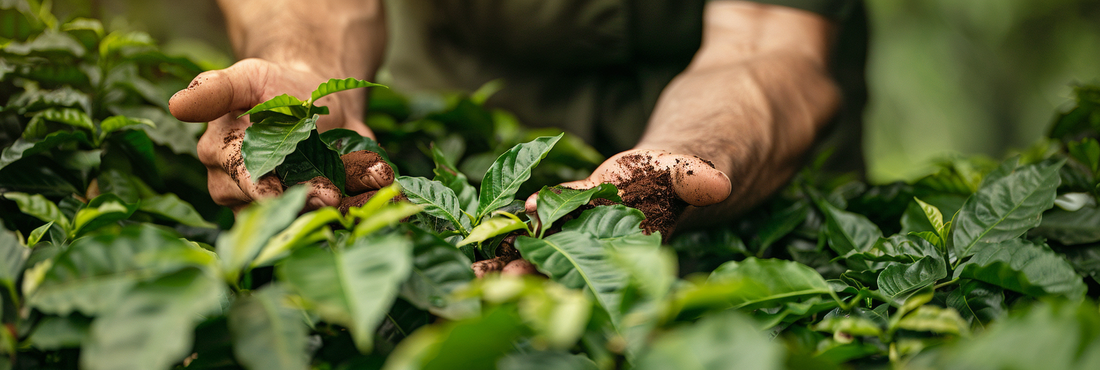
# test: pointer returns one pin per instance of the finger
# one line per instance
(223, 189)
(213, 94)
(485, 267)
(698, 183)
(531, 206)
(322, 193)
(365, 171)
(519, 267)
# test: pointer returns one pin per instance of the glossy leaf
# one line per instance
(12, 256)
(1078, 227)
(267, 333)
(312, 158)
(556, 202)
(388, 215)
(93, 274)
(614, 226)
(578, 261)
(978, 302)
(509, 171)
(438, 200)
(337, 85)
(280, 101)
(38, 233)
(476, 343)
(151, 326)
(900, 279)
(353, 286)
(266, 144)
(438, 271)
(724, 340)
(173, 208)
(847, 232)
(23, 148)
(1004, 209)
(68, 116)
(1024, 267)
(491, 227)
(768, 281)
(345, 141)
(255, 225)
(38, 206)
(305, 230)
(103, 210)
(116, 123)
(934, 319)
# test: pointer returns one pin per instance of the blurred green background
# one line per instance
(945, 76)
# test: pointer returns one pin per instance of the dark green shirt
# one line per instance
(591, 67)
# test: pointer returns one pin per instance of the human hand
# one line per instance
(219, 96)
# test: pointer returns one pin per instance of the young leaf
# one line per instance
(439, 270)
(768, 282)
(556, 202)
(492, 227)
(311, 159)
(933, 215)
(437, 199)
(303, 231)
(337, 85)
(115, 123)
(38, 206)
(23, 148)
(38, 233)
(935, 319)
(255, 225)
(352, 286)
(93, 274)
(170, 206)
(387, 215)
(475, 343)
(103, 210)
(266, 144)
(68, 116)
(1006, 208)
(151, 326)
(578, 261)
(900, 279)
(509, 171)
(1024, 267)
(267, 333)
(280, 101)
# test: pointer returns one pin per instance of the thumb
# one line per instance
(698, 183)
(213, 94)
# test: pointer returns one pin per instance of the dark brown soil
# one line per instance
(366, 170)
(650, 191)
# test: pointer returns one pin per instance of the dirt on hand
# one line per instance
(366, 170)
(649, 189)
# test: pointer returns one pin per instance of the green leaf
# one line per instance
(255, 225)
(266, 144)
(556, 202)
(725, 340)
(38, 206)
(768, 282)
(935, 319)
(337, 85)
(509, 171)
(439, 270)
(280, 101)
(94, 273)
(578, 261)
(449, 175)
(120, 41)
(1086, 151)
(180, 137)
(1005, 208)
(173, 208)
(438, 200)
(23, 148)
(935, 218)
(900, 279)
(853, 325)
(68, 116)
(305, 230)
(614, 226)
(475, 343)
(267, 333)
(101, 211)
(546, 361)
(345, 141)
(1070, 228)
(847, 232)
(12, 256)
(653, 269)
(311, 159)
(37, 175)
(492, 227)
(387, 215)
(152, 326)
(116, 123)
(354, 286)
(1024, 267)
(978, 302)
(55, 332)
(33, 99)
(38, 233)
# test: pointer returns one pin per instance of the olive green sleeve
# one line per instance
(834, 9)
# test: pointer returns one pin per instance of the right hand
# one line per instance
(219, 96)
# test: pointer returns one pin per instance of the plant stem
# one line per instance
(946, 283)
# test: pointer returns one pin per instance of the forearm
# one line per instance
(332, 38)
(752, 100)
